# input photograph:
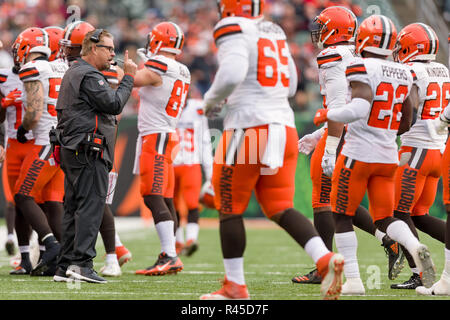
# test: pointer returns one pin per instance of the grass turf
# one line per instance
(272, 258)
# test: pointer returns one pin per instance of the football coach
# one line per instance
(85, 135)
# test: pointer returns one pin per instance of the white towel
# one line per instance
(276, 143)
(138, 155)
(111, 187)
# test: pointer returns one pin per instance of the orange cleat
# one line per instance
(123, 255)
(230, 291)
(330, 268)
(164, 265)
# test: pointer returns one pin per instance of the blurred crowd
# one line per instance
(131, 20)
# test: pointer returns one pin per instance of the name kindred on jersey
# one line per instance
(437, 72)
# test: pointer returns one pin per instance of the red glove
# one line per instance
(320, 117)
(11, 98)
(57, 155)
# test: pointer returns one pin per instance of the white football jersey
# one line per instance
(194, 136)
(50, 74)
(373, 138)
(433, 83)
(161, 106)
(332, 63)
(9, 81)
(262, 97)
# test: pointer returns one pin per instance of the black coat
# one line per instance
(87, 104)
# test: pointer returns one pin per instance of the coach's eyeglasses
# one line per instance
(110, 49)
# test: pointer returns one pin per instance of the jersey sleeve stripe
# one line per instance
(28, 73)
(356, 69)
(414, 75)
(158, 65)
(227, 30)
(327, 59)
(3, 78)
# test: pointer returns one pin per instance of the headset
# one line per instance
(96, 35)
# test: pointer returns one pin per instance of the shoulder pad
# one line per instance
(227, 27)
(328, 58)
(28, 71)
(157, 65)
(356, 67)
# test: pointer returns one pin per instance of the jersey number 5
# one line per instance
(270, 54)
(384, 113)
(177, 98)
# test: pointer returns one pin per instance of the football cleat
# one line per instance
(411, 284)
(440, 288)
(111, 269)
(311, 278)
(190, 247)
(396, 257)
(84, 274)
(353, 287)
(163, 265)
(230, 291)
(423, 260)
(330, 268)
(10, 247)
(22, 269)
(123, 255)
(179, 247)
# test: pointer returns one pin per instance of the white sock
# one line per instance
(447, 261)
(23, 249)
(379, 235)
(415, 270)
(118, 242)
(315, 248)
(46, 236)
(166, 237)
(41, 248)
(192, 229)
(11, 237)
(347, 245)
(400, 232)
(111, 258)
(179, 235)
(234, 270)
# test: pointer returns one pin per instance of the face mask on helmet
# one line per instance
(317, 28)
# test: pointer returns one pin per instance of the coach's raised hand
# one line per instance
(129, 67)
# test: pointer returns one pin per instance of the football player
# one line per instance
(420, 169)
(116, 253)
(38, 172)
(164, 86)
(379, 110)
(333, 32)
(12, 111)
(195, 152)
(258, 148)
(442, 287)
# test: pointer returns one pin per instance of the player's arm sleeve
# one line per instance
(337, 88)
(357, 109)
(233, 66)
(207, 159)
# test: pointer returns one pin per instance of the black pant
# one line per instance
(86, 185)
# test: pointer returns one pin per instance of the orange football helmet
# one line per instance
(165, 36)
(241, 8)
(416, 41)
(54, 34)
(28, 41)
(376, 34)
(333, 25)
(73, 39)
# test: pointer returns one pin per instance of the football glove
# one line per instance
(437, 127)
(329, 155)
(11, 99)
(21, 132)
(320, 117)
(212, 111)
(207, 195)
(308, 142)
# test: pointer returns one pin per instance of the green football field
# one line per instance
(272, 258)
